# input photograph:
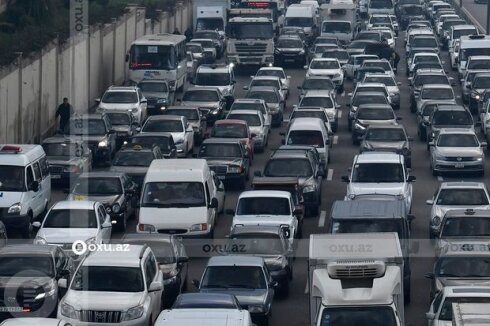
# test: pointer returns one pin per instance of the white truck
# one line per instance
(356, 279)
(210, 15)
(339, 20)
(471, 314)
(250, 41)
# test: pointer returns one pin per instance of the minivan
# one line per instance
(25, 186)
(180, 197)
(304, 16)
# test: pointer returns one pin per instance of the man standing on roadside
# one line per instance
(64, 111)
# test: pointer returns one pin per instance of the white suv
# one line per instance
(124, 98)
(121, 287)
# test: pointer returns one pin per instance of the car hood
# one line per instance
(112, 301)
(200, 104)
(86, 138)
(324, 71)
(104, 199)
(59, 235)
(246, 297)
(262, 219)
(289, 49)
(155, 95)
(380, 145)
(460, 151)
(441, 210)
(62, 160)
(17, 281)
(129, 169)
(122, 128)
(356, 188)
(117, 106)
(223, 161)
(8, 198)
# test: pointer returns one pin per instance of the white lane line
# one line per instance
(329, 174)
(439, 178)
(307, 289)
(339, 115)
(335, 140)
(321, 219)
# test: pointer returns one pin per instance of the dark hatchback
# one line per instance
(163, 140)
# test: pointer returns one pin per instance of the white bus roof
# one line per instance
(159, 39)
(469, 41)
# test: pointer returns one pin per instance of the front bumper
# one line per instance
(181, 149)
(13, 220)
(259, 60)
(455, 166)
(143, 320)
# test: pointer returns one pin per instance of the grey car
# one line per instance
(479, 85)
(317, 83)
(448, 116)
(195, 118)
(123, 124)
(388, 138)
(270, 243)
(158, 95)
(248, 278)
(425, 78)
(273, 100)
(424, 114)
(163, 140)
(209, 100)
(371, 114)
(364, 98)
(66, 159)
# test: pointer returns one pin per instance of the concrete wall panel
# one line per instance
(95, 66)
(49, 102)
(120, 52)
(80, 80)
(107, 58)
(9, 106)
(30, 113)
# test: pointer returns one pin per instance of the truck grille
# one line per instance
(459, 159)
(251, 48)
(354, 269)
(92, 316)
(219, 169)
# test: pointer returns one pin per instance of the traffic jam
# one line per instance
(280, 162)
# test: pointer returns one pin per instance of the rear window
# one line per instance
(305, 137)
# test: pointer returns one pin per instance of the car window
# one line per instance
(37, 172)
(150, 269)
(101, 216)
(60, 260)
(30, 176)
(44, 167)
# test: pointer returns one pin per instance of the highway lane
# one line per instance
(294, 309)
(477, 12)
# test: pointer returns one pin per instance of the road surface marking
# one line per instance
(439, 178)
(339, 115)
(335, 140)
(329, 174)
(321, 220)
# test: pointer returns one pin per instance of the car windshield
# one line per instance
(271, 72)
(108, 279)
(289, 43)
(423, 42)
(363, 98)
(98, 186)
(203, 34)
(388, 134)
(375, 114)
(78, 126)
(341, 55)
(158, 125)
(421, 80)
(457, 140)
(378, 172)
(305, 137)
(61, 149)
(386, 80)
(229, 131)
(463, 32)
(253, 120)
(322, 48)
(220, 150)
(130, 158)
(119, 119)
(174, 194)
(374, 315)
(475, 64)
(322, 84)
(462, 197)
(248, 106)
(245, 30)
(209, 23)
(320, 114)
(336, 27)
(70, 219)
(368, 36)
(321, 101)
(463, 266)
(361, 43)
(324, 64)
(256, 244)
(190, 114)
(437, 94)
(446, 313)
(299, 21)
(268, 97)
(153, 57)
(466, 226)
(380, 89)
(26, 266)
(425, 58)
(206, 44)
(153, 87)
(381, 64)
(481, 82)
(413, 10)
(213, 79)
(380, 19)
(120, 97)
(200, 96)
(163, 250)
(427, 65)
(194, 48)
(263, 206)
(366, 225)
(266, 82)
(448, 118)
(234, 277)
(288, 168)
(162, 142)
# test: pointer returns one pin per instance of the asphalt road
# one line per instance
(294, 309)
(477, 11)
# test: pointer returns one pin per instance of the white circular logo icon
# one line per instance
(79, 247)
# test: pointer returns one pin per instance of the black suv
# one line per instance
(29, 277)
(290, 49)
(448, 116)
(96, 130)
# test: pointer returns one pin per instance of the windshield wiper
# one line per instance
(215, 286)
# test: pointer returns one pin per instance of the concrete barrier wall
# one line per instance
(80, 69)
(3, 5)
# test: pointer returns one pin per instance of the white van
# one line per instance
(310, 132)
(201, 316)
(180, 197)
(25, 185)
(304, 16)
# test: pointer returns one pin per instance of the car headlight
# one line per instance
(68, 311)
(476, 96)
(215, 111)
(40, 240)
(103, 143)
(302, 52)
(478, 158)
(134, 110)
(179, 141)
(309, 188)
(15, 209)
(49, 291)
(436, 220)
(359, 126)
(116, 208)
(255, 309)
(133, 313)
(235, 169)
(162, 100)
(198, 227)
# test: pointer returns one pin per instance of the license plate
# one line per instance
(459, 165)
(55, 176)
(80, 198)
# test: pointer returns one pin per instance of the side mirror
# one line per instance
(144, 100)
(155, 286)
(213, 203)
(409, 138)
(305, 67)
(229, 212)
(411, 178)
(410, 217)
(126, 57)
(36, 224)
(97, 100)
(483, 144)
(34, 186)
(345, 178)
(399, 118)
(245, 88)
(429, 202)
(273, 284)
(348, 104)
(299, 87)
(430, 315)
(137, 129)
(398, 84)
(257, 173)
(349, 94)
(195, 283)
(478, 124)
(63, 283)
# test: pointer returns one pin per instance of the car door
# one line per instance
(103, 218)
(484, 116)
(142, 105)
(38, 202)
(182, 266)
(151, 271)
(220, 192)
(210, 194)
(46, 181)
(111, 135)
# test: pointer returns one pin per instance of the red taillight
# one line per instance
(11, 148)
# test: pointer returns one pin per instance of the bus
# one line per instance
(159, 56)
(472, 45)
(261, 4)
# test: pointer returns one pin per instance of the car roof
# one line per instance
(457, 131)
(464, 291)
(231, 122)
(221, 141)
(450, 107)
(165, 117)
(22, 249)
(317, 93)
(376, 209)
(264, 194)
(128, 237)
(214, 68)
(386, 126)
(369, 93)
(74, 204)
(263, 88)
(236, 112)
(202, 88)
(235, 261)
(102, 174)
(378, 157)
(306, 123)
(437, 86)
(375, 106)
(247, 100)
(129, 257)
(462, 184)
